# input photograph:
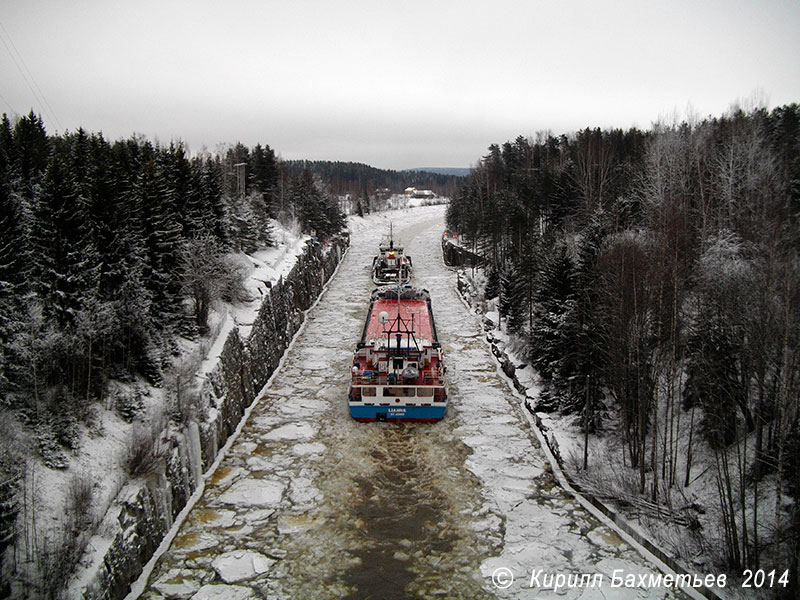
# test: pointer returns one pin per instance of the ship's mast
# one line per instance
(398, 326)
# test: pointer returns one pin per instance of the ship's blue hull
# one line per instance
(398, 413)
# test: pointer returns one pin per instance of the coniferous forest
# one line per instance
(360, 179)
(652, 278)
(108, 252)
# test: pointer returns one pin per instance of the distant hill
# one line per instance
(357, 178)
(454, 171)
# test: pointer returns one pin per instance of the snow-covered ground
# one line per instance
(101, 456)
(610, 479)
(308, 503)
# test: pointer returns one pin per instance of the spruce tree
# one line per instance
(211, 186)
(14, 261)
(65, 260)
(583, 324)
(714, 380)
(512, 298)
(554, 300)
(263, 176)
(492, 282)
(30, 153)
(162, 239)
(175, 175)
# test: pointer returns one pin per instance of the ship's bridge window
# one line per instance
(367, 391)
(398, 364)
(401, 392)
(426, 391)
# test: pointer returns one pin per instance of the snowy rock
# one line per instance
(241, 565)
(509, 368)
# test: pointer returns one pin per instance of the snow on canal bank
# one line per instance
(308, 503)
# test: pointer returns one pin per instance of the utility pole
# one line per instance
(241, 172)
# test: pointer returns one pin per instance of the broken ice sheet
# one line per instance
(225, 592)
(293, 431)
(241, 565)
(253, 492)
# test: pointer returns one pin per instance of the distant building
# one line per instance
(415, 193)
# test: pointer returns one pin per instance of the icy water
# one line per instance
(311, 504)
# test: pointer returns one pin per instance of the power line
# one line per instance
(40, 97)
(8, 104)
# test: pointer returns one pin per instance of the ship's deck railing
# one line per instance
(425, 378)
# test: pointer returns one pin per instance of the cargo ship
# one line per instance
(398, 372)
(391, 265)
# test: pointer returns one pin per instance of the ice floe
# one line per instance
(241, 565)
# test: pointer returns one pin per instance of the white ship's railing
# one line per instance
(428, 379)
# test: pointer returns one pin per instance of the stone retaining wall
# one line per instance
(146, 509)
(456, 256)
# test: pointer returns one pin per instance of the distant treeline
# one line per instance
(656, 274)
(360, 180)
(109, 250)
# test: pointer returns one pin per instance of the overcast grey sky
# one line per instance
(396, 84)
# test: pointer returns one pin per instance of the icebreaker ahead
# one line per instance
(397, 372)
